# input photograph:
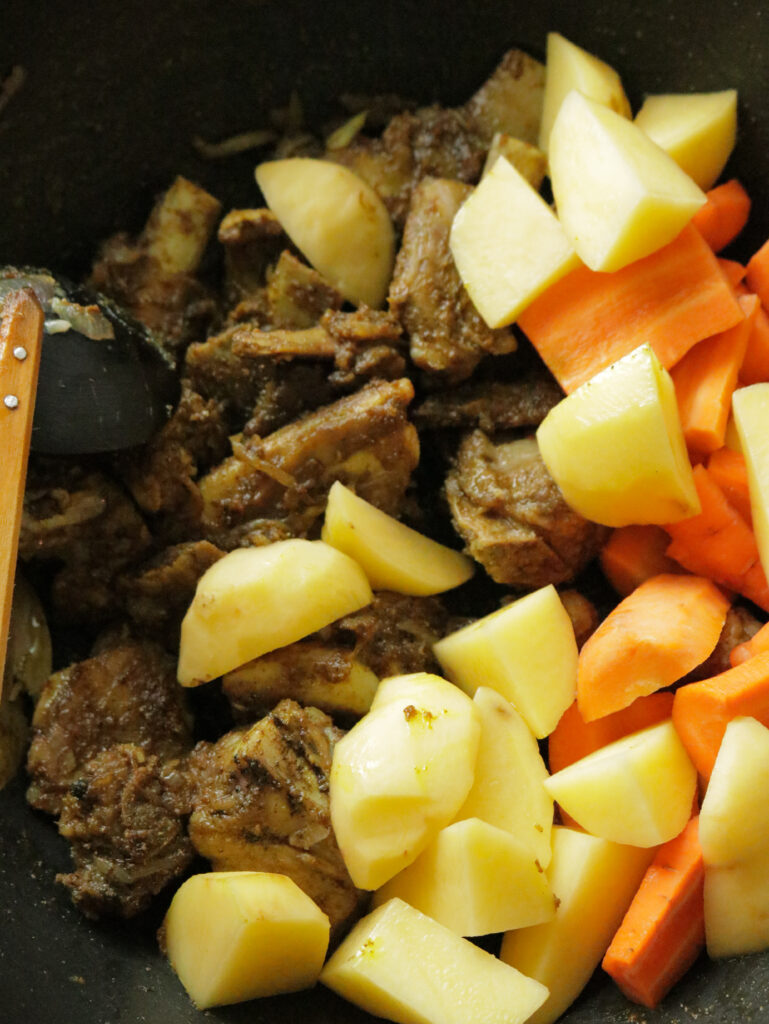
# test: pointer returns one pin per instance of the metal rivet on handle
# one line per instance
(11, 402)
(20, 353)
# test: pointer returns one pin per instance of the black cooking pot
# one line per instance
(112, 94)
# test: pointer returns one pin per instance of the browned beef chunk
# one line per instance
(512, 516)
(127, 694)
(431, 141)
(338, 668)
(298, 296)
(252, 241)
(88, 523)
(510, 100)
(158, 595)
(491, 405)
(446, 333)
(739, 626)
(368, 344)
(125, 818)
(261, 804)
(364, 440)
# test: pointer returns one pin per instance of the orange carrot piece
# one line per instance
(663, 931)
(718, 543)
(705, 379)
(755, 365)
(733, 271)
(758, 642)
(664, 629)
(724, 215)
(633, 554)
(757, 274)
(730, 472)
(671, 299)
(702, 711)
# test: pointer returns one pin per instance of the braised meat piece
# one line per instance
(252, 241)
(126, 694)
(338, 669)
(261, 804)
(739, 626)
(446, 333)
(510, 101)
(88, 523)
(491, 405)
(125, 817)
(432, 141)
(298, 296)
(512, 516)
(158, 595)
(368, 345)
(364, 440)
(583, 614)
(153, 277)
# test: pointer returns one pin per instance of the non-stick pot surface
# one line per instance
(112, 95)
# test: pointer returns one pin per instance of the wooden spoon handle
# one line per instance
(21, 332)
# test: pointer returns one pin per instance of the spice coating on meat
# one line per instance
(126, 694)
(446, 333)
(512, 516)
(491, 405)
(125, 819)
(261, 804)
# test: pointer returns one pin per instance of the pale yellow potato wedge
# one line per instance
(750, 407)
(525, 651)
(569, 67)
(508, 789)
(619, 196)
(527, 159)
(616, 449)
(593, 881)
(637, 790)
(737, 907)
(392, 555)
(236, 935)
(475, 879)
(508, 245)
(697, 129)
(338, 222)
(400, 775)
(399, 964)
(255, 600)
(180, 226)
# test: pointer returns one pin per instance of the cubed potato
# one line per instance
(737, 907)
(593, 881)
(236, 935)
(637, 790)
(751, 415)
(508, 245)
(338, 222)
(508, 790)
(255, 600)
(527, 159)
(180, 227)
(570, 67)
(616, 449)
(399, 964)
(475, 879)
(392, 555)
(697, 129)
(526, 651)
(619, 196)
(400, 775)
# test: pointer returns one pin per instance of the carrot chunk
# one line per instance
(664, 629)
(755, 365)
(758, 642)
(757, 274)
(730, 472)
(671, 299)
(633, 554)
(663, 931)
(733, 271)
(724, 215)
(702, 711)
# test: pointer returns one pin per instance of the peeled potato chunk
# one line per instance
(392, 555)
(338, 222)
(570, 67)
(236, 935)
(526, 651)
(475, 879)
(698, 129)
(255, 600)
(401, 774)
(637, 790)
(751, 416)
(399, 964)
(616, 449)
(508, 245)
(619, 196)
